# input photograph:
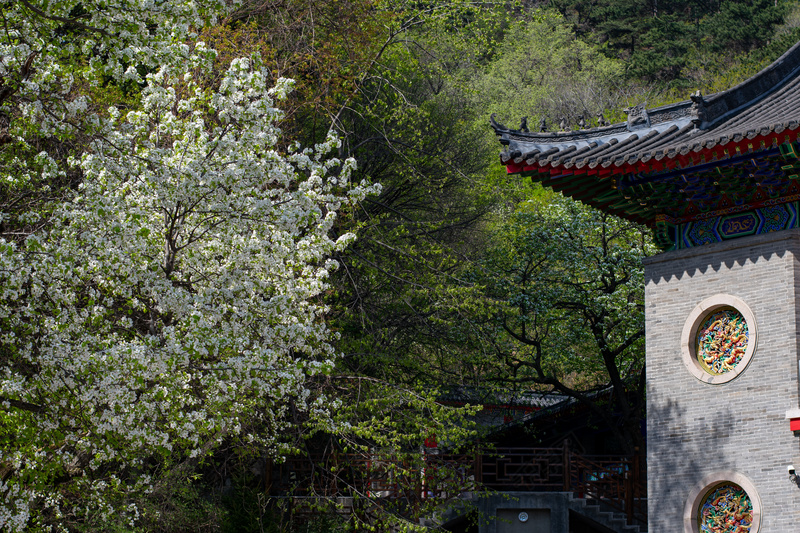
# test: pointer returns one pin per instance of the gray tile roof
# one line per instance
(768, 103)
(730, 152)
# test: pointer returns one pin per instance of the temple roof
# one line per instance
(730, 150)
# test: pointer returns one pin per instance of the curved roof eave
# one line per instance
(768, 103)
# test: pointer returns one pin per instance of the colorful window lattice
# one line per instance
(725, 509)
(722, 341)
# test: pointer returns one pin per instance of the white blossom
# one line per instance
(171, 299)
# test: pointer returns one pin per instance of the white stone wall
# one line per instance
(695, 429)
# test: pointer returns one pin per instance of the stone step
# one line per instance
(597, 512)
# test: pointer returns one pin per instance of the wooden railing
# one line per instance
(523, 469)
(616, 481)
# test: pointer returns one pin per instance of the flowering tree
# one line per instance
(159, 260)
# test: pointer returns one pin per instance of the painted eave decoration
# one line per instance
(699, 171)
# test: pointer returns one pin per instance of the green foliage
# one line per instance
(567, 313)
(409, 126)
(739, 26)
(543, 71)
(247, 508)
(656, 37)
(413, 130)
(326, 47)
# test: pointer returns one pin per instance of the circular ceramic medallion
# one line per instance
(723, 502)
(718, 339)
(726, 508)
(722, 341)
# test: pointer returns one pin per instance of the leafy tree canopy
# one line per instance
(563, 308)
(655, 37)
(543, 71)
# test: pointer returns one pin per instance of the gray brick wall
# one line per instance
(695, 429)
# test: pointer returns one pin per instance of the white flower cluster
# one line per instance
(171, 298)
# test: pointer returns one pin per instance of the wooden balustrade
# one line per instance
(615, 481)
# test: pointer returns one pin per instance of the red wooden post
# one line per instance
(567, 468)
(629, 499)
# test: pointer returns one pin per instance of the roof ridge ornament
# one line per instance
(637, 117)
(496, 125)
(699, 109)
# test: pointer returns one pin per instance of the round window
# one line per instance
(723, 502)
(725, 508)
(718, 339)
(721, 341)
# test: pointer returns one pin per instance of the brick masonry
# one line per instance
(695, 429)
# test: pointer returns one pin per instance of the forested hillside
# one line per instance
(207, 268)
